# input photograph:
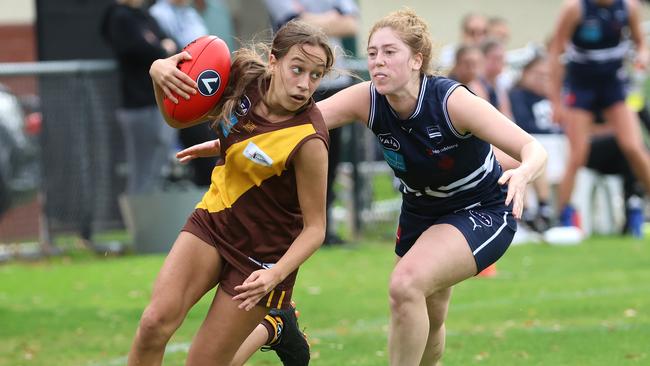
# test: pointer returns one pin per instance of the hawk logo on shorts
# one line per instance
(209, 82)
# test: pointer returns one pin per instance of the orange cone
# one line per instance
(489, 271)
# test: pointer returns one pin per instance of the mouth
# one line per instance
(379, 76)
(298, 98)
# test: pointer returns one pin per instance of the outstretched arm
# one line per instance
(472, 114)
(348, 105)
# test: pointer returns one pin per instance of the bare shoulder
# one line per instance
(311, 156)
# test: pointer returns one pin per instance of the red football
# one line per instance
(210, 68)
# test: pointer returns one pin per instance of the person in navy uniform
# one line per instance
(459, 207)
(592, 35)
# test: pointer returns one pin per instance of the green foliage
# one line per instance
(580, 305)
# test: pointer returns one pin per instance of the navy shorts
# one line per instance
(595, 97)
(488, 230)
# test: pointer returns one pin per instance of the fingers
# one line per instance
(505, 177)
(169, 94)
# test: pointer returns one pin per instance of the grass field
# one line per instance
(581, 305)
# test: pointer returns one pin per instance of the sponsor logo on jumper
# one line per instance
(442, 149)
(208, 82)
(388, 141)
(395, 160)
(243, 107)
(256, 155)
(249, 126)
(262, 264)
(434, 133)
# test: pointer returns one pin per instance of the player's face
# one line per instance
(390, 61)
(297, 75)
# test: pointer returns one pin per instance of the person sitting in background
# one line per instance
(498, 29)
(473, 29)
(494, 59)
(531, 110)
(467, 69)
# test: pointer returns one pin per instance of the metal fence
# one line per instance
(79, 141)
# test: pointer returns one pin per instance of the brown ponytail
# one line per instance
(249, 67)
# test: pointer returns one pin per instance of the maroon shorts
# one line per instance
(237, 264)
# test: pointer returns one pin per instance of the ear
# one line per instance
(416, 61)
(272, 63)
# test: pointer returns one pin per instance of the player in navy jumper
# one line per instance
(595, 33)
(458, 205)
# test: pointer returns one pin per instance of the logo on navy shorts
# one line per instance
(209, 82)
(484, 219)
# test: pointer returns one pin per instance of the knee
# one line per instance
(403, 290)
(157, 325)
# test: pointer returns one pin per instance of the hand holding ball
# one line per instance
(210, 69)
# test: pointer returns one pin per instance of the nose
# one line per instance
(303, 82)
(379, 59)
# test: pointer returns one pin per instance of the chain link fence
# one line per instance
(80, 146)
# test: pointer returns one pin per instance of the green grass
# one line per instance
(581, 305)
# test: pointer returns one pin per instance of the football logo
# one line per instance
(209, 82)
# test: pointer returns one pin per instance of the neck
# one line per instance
(272, 111)
(405, 100)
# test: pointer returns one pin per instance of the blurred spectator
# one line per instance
(179, 20)
(494, 60)
(183, 24)
(137, 41)
(473, 29)
(594, 34)
(217, 17)
(467, 69)
(531, 110)
(338, 19)
(498, 28)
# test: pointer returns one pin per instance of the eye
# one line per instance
(316, 75)
(372, 53)
(296, 70)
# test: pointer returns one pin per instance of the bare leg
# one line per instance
(223, 331)
(439, 259)
(437, 306)
(629, 138)
(254, 342)
(190, 270)
(577, 131)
